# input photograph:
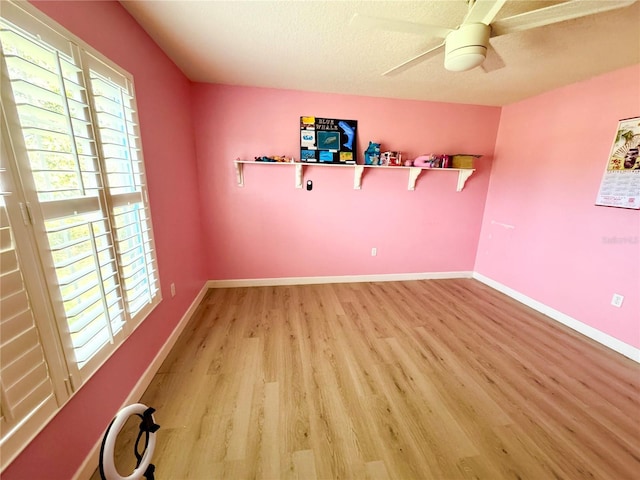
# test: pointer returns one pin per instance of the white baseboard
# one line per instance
(390, 277)
(91, 461)
(607, 340)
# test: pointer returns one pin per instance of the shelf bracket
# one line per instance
(463, 175)
(239, 174)
(357, 176)
(414, 173)
(298, 175)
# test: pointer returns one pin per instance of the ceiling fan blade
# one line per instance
(493, 61)
(415, 60)
(401, 26)
(484, 11)
(554, 14)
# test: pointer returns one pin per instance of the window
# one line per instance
(73, 180)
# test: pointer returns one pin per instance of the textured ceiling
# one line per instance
(310, 45)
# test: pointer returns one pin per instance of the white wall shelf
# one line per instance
(358, 172)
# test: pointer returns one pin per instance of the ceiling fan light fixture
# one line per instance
(465, 59)
(466, 47)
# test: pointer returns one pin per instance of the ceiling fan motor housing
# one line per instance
(466, 47)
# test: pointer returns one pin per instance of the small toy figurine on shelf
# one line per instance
(274, 158)
(391, 159)
(432, 161)
(372, 154)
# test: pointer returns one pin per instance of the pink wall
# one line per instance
(562, 250)
(268, 228)
(165, 117)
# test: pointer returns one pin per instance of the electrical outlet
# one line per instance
(173, 289)
(617, 299)
(374, 251)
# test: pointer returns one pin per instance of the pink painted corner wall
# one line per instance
(163, 96)
(270, 229)
(542, 235)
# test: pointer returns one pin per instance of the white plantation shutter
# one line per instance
(117, 123)
(87, 280)
(73, 133)
(25, 381)
(27, 391)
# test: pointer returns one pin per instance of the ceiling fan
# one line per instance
(466, 45)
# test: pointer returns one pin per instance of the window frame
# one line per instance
(33, 241)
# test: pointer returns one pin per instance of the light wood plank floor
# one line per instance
(441, 379)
